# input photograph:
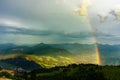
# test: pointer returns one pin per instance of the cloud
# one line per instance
(24, 31)
(116, 12)
(57, 22)
(80, 35)
(103, 16)
(50, 36)
(106, 38)
(83, 8)
(60, 1)
(12, 23)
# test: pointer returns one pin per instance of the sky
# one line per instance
(59, 21)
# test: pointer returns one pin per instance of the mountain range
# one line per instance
(39, 49)
(50, 55)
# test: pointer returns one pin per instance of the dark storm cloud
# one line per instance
(79, 35)
(23, 31)
(103, 37)
(61, 34)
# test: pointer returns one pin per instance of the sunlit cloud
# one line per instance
(83, 8)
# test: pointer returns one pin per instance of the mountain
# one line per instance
(15, 50)
(77, 48)
(40, 49)
(110, 54)
(5, 47)
(109, 49)
(46, 49)
(42, 54)
(19, 62)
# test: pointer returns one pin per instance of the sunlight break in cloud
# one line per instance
(12, 23)
(82, 10)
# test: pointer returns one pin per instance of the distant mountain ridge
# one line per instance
(40, 49)
(110, 54)
(43, 49)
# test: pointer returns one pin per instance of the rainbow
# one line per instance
(95, 41)
(98, 54)
(82, 10)
(96, 45)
